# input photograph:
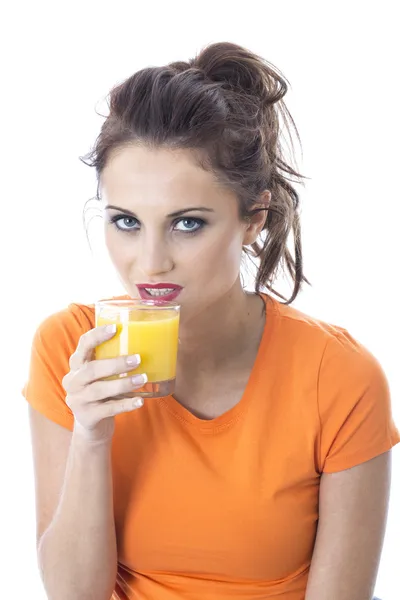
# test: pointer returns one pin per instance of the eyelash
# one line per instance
(200, 222)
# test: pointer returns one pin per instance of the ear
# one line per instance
(255, 223)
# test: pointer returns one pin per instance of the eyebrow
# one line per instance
(174, 214)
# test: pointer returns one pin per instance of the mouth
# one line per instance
(167, 292)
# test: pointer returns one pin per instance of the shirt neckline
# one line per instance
(233, 414)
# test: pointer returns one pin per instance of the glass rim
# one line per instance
(137, 303)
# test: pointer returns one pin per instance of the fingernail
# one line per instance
(137, 402)
(133, 360)
(111, 328)
(138, 379)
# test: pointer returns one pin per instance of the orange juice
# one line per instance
(151, 333)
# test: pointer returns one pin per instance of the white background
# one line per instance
(59, 62)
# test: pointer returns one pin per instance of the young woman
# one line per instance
(267, 473)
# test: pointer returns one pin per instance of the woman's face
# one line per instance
(199, 249)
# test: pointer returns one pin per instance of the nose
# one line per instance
(154, 256)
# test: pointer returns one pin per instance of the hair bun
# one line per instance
(242, 71)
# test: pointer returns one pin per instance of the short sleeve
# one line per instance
(54, 342)
(354, 403)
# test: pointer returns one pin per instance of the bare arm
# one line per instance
(77, 552)
(351, 529)
(76, 540)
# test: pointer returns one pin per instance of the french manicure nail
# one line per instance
(134, 359)
(137, 402)
(139, 379)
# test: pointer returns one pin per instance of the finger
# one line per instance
(116, 407)
(88, 342)
(103, 390)
(99, 369)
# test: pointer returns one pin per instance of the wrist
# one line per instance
(88, 439)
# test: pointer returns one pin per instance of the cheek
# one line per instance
(219, 257)
(116, 248)
(109, 236)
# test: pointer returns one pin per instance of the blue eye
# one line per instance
(124, 223)
(127, 223)
(198, 224)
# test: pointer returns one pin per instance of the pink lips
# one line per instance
(159, 286)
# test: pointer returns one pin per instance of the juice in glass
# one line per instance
(146, 327)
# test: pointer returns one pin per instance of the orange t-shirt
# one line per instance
(228, 508)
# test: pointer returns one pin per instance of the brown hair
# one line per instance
(224, 104)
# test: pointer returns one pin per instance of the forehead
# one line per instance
(140, 172)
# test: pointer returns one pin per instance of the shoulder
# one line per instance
(327, 341)
(63, 328)
(328, 356)
(296, 321)
(66, 325)
(54, 341)
(351, 389)
(304, 329)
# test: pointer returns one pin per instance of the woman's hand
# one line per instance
(93, 402)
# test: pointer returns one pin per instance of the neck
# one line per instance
(221, 332)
